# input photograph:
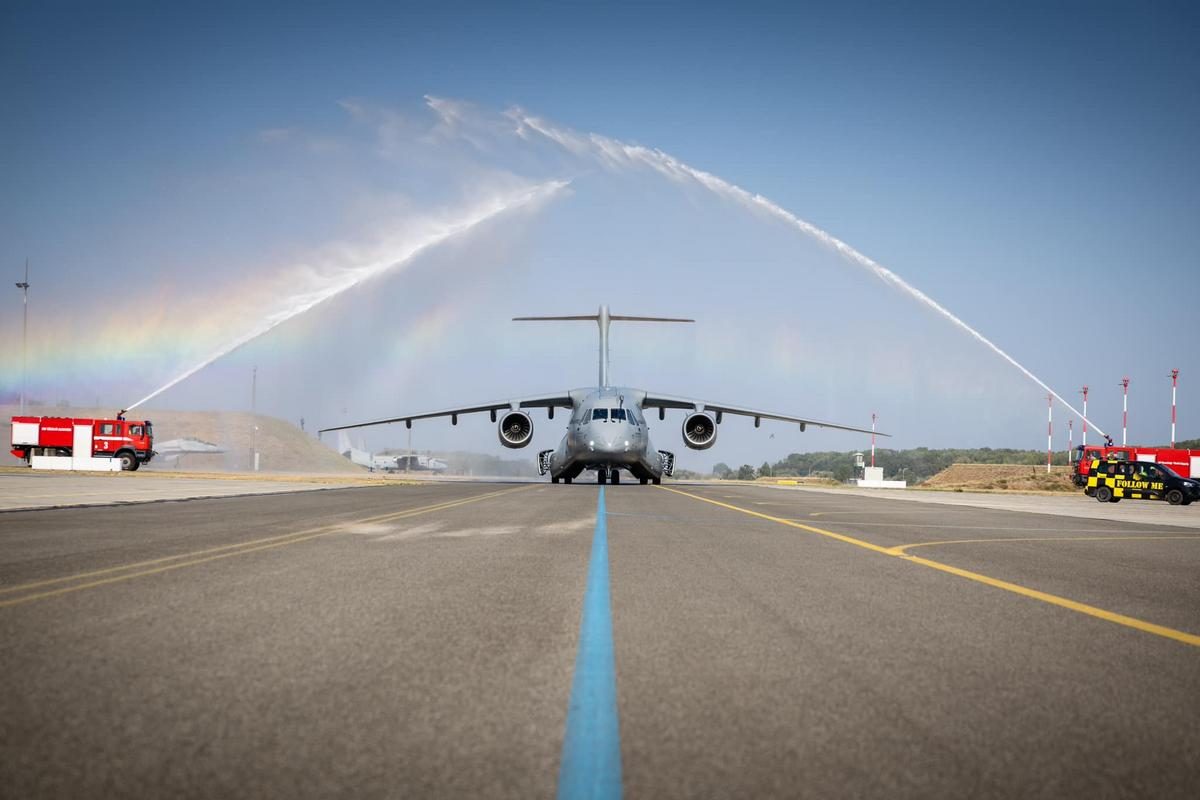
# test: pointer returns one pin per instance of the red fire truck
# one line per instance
(131, 441)
(1185, 463)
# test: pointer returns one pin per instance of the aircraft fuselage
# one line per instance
(607, 431)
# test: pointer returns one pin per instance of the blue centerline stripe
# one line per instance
(591, 752)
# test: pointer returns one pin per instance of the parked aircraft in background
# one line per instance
(176, 449)
(607, 430)
(389, 463)
(418, 463)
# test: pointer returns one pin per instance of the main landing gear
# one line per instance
(602, 476)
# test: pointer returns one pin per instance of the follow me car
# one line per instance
(1112, 481)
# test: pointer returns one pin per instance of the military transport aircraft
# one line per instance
(607, 430)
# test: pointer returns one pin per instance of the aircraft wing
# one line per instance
(553, 401)
(687, 404)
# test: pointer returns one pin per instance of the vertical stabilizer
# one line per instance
(602, 319)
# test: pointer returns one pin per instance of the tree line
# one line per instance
(913, 465)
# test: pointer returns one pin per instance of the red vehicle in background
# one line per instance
(1185, 463)
(131, 441)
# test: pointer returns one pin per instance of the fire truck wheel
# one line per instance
(1104, 494)
(1175, 497)
(129, 461)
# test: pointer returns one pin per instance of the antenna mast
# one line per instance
(24, 287)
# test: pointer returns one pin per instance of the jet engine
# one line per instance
(699, 431)
(516, 429)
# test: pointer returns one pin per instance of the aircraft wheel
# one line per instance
(566, 480)
(644, 481)
(615, 477)
(1175, 497)
(601, 476)
(657, 481)
(1104, 494)
(553, 479)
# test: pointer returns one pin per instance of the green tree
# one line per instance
(765, 471)
(745, 473)
(721, 469)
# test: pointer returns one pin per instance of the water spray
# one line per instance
(615, 154)
(347, 278)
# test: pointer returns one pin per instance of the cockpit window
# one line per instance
(600, 413)
(618, 414)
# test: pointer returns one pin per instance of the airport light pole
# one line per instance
(1070, 437)
(1084, 392)
(1049, 430)
(1174, 386)
(254, 419)
(872, 439)
(24, 287)
(1124, 410)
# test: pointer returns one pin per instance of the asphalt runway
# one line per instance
(493, 640)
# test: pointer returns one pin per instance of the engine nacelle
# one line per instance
(699, 431)
(516, 429)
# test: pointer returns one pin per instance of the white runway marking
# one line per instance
(427, 529)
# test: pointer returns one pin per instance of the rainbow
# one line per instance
(76, 351)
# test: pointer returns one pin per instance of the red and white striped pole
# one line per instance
(1174, 384)
(1124, 410)
(1085, 391)
(1049, 429)
(1070, 437)
(872, 439)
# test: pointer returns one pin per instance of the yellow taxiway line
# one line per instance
(902, 549)
(159, 565)
(1045, 597)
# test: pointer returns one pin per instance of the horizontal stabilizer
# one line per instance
(603, 318)
(596, 318)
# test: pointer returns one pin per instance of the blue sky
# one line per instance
(1027, 165)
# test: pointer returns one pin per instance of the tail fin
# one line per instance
(602, 318)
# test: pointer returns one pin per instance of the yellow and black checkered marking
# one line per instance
(1122, 486)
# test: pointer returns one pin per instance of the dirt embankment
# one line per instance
(282, 446)
(1000, 478)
